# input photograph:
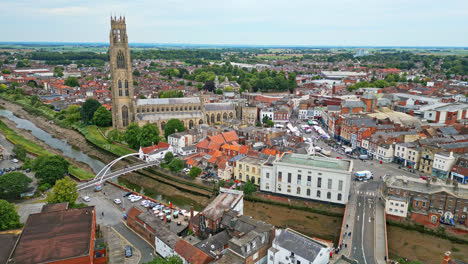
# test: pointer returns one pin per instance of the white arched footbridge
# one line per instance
(105, 173)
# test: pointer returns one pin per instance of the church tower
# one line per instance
(123, 101)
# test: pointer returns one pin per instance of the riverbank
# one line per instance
(424, 248)
(39, 148)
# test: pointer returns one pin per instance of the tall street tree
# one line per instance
(64, 191)
(102, 117)
(132, 136)
(13, 184)
(49, 169)
(173, 125)
(88, 109)
(9, 218)
(149, 135)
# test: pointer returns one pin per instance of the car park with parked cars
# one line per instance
(117, 201)
(128, 251)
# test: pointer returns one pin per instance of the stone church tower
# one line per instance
(123, 101)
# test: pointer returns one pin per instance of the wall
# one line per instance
(396, 207)
(163, 249)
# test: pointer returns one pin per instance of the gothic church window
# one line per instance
(121, 60)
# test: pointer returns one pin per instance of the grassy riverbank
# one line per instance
(93, 135)
(37, 150)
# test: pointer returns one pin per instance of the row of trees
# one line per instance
(90, 112)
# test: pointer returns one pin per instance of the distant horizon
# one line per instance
(230, 45)
(270, 23)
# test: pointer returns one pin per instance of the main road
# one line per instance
(363, 232)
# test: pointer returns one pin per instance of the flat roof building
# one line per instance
(309, 177)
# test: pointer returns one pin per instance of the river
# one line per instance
(59, 144)
(96, 165)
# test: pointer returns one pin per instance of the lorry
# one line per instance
(364, 175)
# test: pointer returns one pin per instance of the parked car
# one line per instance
(128, 251)
(7, 169)
(13, 169)
(423, 177)
(15, 160)
(86, 199)
(28, 170)
(338, 157)
(127, 194)
(117, 201)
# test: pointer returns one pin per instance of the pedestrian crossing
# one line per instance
(373, 194)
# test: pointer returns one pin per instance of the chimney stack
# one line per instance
(191, 211)
(447, 257)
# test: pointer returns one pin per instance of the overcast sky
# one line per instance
(254, 22)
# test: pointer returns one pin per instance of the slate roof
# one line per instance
(219, 107)
(214, 243)
(153, 117)
(353, 104)
(448, 130)
(333, 108)
(299, 244)
(168, 101)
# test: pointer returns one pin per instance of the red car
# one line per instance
(338, 157)
(423, 177)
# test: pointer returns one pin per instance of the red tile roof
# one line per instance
(217, 139)
(191, 253)
(160, 145)
(230, 136)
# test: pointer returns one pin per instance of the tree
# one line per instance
(88, 109)
(102, 117)
(265, 119)
(9, 218)
(209, 86)
(49, 169)
(176, 165)
(270, 123)
(72, 114)
(149, 135)
(170, 260)
(136, 72)
(246, 86)
(115, 135)
(71, 81)
(219, 91)
(249, 188)
(168, 157)
(172, 126)
(6, 71)
(20, 152)
(132, 136)
(13, 184)
(194, 172)
(64, 191)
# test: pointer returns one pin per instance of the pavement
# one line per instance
(110, 217)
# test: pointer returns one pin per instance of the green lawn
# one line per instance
(31, 147)
(80, 173)
(92, 134)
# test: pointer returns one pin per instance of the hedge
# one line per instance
(292, 206)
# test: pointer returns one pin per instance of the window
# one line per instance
(329, 183)
(340, 185)
(417, 203)
(298, 179)
(267, 186)
(289, 189)
(424, 204)
(298, 190)
(308, 192)
(339, 197)
(247, 168)
(279, 187)
(280, 176)
(309, 180)
(253, 169)
(268, 175)
(240, 166)
(240, 176)
(328, 195)
(319, 182)
(318, 194)
(391, 210)
(391, 203)
(289, 177)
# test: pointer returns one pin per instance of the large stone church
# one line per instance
(126, 109)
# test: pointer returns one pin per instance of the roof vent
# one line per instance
(405, 181)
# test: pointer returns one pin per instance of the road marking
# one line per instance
(362, 238)
(358, 217)
(369, 219)
(128, 242)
